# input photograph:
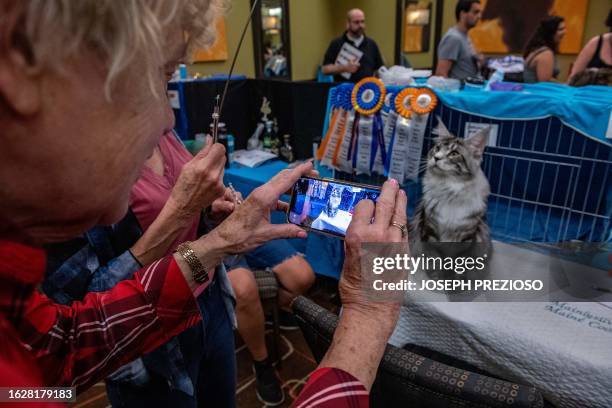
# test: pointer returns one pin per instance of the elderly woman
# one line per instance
(80, 112)
(162, 215)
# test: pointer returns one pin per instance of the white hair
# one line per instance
(119, 30)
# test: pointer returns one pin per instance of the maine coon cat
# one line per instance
(453, 206)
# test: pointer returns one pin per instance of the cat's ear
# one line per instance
(478, 141)
(441, 131)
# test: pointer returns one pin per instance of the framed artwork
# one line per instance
(217, 51)
(417, 23)
(507, 25)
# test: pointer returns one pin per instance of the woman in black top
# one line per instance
(540, 54)
(597, 53)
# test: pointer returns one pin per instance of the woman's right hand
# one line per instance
(200, 182)
(372, 223)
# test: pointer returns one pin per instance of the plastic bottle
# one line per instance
(183, 71)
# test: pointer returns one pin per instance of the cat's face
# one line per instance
(452, 156)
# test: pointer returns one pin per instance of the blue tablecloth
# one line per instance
(325, 254)
(587, 109)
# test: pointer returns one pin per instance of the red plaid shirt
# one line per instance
(46, 344)
(332, 388)
(43, 343)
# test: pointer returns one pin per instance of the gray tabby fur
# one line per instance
(453, 206)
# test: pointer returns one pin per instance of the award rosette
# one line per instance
(341, 107)
(402, 102)
(424, 101)
(413, 106)
(368, 98)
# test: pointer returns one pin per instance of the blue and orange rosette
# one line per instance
(423, 101)
(368, 96)
(402, 102)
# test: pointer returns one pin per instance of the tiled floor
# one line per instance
(296, 365)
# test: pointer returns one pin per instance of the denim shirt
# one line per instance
(99, 260)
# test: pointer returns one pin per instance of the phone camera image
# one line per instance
(327, 206)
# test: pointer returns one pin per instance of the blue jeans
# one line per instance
(209, 359)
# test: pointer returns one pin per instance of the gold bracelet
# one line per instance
(199, 273)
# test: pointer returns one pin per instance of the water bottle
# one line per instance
(183, 71)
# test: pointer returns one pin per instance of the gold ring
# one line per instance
(402, 227)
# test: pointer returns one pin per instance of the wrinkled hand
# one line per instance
(249, 225)
(223, 206)
(390, 207)
(200, 182)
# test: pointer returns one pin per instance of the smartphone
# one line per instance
(326, 205)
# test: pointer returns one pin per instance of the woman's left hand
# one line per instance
(223, 206)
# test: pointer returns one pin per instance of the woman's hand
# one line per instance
(200, 182)
(365, 326)
(372, 223)
(223, 206)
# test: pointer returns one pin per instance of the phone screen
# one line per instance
(327, 205)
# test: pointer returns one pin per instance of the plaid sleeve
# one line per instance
(80, 344)
(332, 388)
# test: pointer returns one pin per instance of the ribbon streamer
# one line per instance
(340, 98)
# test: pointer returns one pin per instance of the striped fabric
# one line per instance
(332, 388)
(81, 344)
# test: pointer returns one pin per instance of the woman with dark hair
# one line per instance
(596, 54)
(540, 53)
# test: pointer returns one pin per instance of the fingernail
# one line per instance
(393, 181)
(302, 234)
(402, 192)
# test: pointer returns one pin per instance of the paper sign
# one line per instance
(473, 127)
(348, 54)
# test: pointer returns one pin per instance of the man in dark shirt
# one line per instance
(352, 56)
